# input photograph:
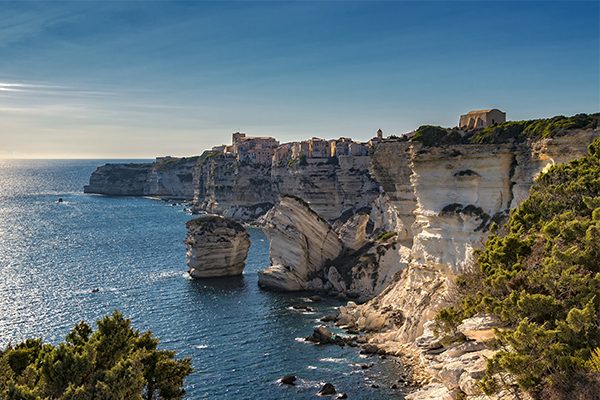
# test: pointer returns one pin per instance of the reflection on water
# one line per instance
(241, 339)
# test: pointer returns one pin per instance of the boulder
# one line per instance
(329, 318)
(216, 247)
(321, 335)
(288, 380)
(327, 390)
(480, 328)
(433, 391)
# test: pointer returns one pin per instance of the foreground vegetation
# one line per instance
(115, 362)
(512, 131)
(540, 276)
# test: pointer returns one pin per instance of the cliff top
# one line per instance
(210, 222)
(507, 132)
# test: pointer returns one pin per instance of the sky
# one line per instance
(143, 79)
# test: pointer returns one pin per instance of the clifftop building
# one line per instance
(257, 150)
(481, 119)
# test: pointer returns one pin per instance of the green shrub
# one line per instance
(520, 131)
(511, 131)
(383, 236)
(594, 362)
(436, 136)
(540, 275)
(302, 161)
(114, 362)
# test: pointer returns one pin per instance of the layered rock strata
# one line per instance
(301, 244)
(331, 187)
(216, 247)
(308, 253)
(167, 177)
(234, 189)
(456, 193)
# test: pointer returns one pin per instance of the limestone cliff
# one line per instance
(443, 208)
(244, 191)
(442, 201)
(167, 177)
(234, 189)
(330, 186)
(308, 253)
(119, 179)
(216, 247)
(301, 244)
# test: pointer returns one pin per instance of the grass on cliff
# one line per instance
(540, 275)
(511, 131)
(115, 362)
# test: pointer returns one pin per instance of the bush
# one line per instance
(541, 277)
(435, 136)
(114, 362)
(520, 131)
(302, 161)
(383, 236)
(511, 131)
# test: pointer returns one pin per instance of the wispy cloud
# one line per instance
(35, 88)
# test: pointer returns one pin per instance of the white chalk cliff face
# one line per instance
(216, 247)
(444, 199)
(301, 244)
(234, 189)
(307, 253)
(441, 202)
(331, 187)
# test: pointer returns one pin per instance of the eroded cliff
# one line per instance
(458, 192)
(301, 244)
(216, 247)
(167, 177)
(331, 186)
(234, 189)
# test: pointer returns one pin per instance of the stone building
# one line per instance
(318, 148)
(300, 148)
(339, 147)
(481, 119)
(257, 150)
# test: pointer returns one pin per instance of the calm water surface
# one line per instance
(241, 339)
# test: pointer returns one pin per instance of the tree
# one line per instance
(115, 362)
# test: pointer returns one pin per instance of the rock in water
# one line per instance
(216, 246)
(321, 335)
(301, 245)
(288, 380)
(327, 390)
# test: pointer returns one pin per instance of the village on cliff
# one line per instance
(268, 150)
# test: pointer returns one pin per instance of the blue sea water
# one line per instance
(241, 339)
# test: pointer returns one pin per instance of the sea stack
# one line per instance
(216, 247)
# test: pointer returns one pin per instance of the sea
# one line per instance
(61, 263)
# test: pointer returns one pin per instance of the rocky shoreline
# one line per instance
(390, 230)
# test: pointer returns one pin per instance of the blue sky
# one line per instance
(140, 79)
